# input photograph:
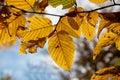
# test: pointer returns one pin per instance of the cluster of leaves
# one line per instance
(35, 30)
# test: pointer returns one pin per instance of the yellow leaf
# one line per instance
(88, 30)
(92, 18)
(8, 33)
(39, 27)
(73, 23)
(106, 39)
(23, 48)
(103, 24)
(41, 5)
(61, 48)
(115, 28)
(41, 42)
(88, 25)
(97, 1)
(21, 4)
(32, 49)
(64, 25)
(111, 73)
(117, 43)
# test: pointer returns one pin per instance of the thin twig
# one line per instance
(64, 14)
(114, 2)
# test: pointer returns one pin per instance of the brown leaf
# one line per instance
(73, 23)
(42, 5)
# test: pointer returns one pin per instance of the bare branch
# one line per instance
(64, 14)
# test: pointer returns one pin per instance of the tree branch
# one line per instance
(64, 14)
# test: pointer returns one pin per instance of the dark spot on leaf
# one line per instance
(57, 46)
(108, 36)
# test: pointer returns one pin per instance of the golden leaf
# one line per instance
(109, 21)
(73, 23)
(61, 48)
(64, 25)
(41, 42)
(8, 32)
(103, 24)
(39, 27)
(88, 30)
(115, 28)
(23, 48)
(21, 4)
(97, 1)
(117, 43)
(88, 25)
(42, 5)
(32, 49)
(106, 39)
(92, 18)
(111, 73)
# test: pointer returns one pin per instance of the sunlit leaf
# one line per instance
(97, 1)
(106, 39)
(88, 25)
(64, 25)
(73, 23)
(111, 73)
(115, 28)
(41, 42)
(8, 33)
(61, 48)
(117, 43)
(39, 27)
(92, 18)
(87, 30)
(32, 49)
(41, 5)
(65, 3)
(23, 48)
(21, 4)
(103, 24)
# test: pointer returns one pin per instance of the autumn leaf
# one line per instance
(23, 48)
(10, 25)
(41, 42)
(32, 49)
(106, 39)
(73, 23)
(39, 27)
(88, 25)
(117, 43)
(21, 4)
(65, 3)
(115, 28)
(111, 73)
(97, 1)
(64, 25)
(61, 49)
(87, 30)
(109, 21)
(32, 46)
(42, 5)
(103, 24)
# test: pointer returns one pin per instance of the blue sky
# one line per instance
(16, 65)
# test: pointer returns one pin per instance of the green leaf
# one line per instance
(65, 3)
(117, 62)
